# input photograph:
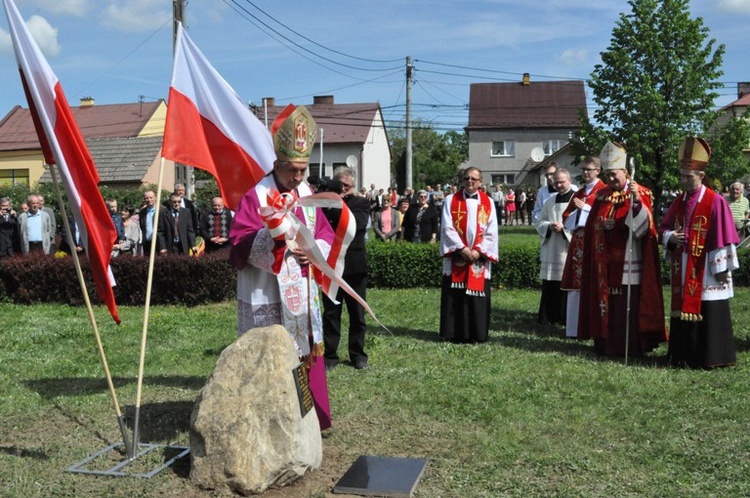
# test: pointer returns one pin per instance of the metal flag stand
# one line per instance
(121, 469)
(132, 450)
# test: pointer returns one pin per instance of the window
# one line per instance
(10, 177)
(552, 146)
(503, 148)
(506, 179)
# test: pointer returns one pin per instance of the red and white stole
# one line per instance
(686, 300)
(464, 275)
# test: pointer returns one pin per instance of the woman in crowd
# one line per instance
(132, 243)
(421, 221)
(386, 221)
(510, 207)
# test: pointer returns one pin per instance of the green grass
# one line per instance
(529, 414)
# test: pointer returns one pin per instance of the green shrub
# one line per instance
(404, 265)
(177, 280)
(210, 278)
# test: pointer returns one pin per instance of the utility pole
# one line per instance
(178, 16)
(408, 123)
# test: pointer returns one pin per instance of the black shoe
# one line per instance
(330, 365)
(360, 364)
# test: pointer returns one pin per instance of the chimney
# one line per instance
(270, 101)
(87, 101)
(743, 88)
(526, 79)
(323, 100)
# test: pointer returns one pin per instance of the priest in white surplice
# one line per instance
(554, 250)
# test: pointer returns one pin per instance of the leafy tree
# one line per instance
(435, 157)
(655, 86)
(728, 162)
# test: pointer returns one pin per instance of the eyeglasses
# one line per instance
(346, 186)
(587, 170)
(472, 179)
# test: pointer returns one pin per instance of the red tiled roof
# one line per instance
(742, 101)
(542, 104)
(98, 121)
(342, 123)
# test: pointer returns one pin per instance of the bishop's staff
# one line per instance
(630, 260)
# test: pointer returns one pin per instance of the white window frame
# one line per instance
(552, 146)
(508, 148)
(503, 178)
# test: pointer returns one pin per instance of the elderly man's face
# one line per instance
(289, 175)
(736, 192)
(149, 198)
(217, 205)
(34, 205)
(617, 178)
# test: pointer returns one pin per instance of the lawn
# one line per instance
(529, 414)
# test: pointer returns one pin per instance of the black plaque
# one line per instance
(382, 476)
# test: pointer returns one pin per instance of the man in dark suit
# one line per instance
(355, 274)
(175, 233)
(179, 189)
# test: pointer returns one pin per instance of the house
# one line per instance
(514, 128)
(348, 134)
(737, 109)
(124, 141)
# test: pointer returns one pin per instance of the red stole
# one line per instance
(463, 275)
(571, 279)
(603, 265)
(687, 305)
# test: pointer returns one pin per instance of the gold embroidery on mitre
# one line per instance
(295, 137)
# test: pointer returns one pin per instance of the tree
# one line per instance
(435, 157)
(655, 86)
(728, 163)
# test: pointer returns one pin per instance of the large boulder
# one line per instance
(246, 430)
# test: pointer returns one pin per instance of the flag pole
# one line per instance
(92, 318)
(149, 283)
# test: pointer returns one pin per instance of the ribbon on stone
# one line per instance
(279, 216)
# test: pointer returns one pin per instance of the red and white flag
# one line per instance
(63, 145)
(209, 127)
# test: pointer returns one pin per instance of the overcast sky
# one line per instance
(354, 50)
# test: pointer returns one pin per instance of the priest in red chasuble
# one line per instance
(621, 251)
(701, 244)
(468, 244)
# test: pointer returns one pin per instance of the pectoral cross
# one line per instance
(603, 307)
(458, 215)
(696, 244)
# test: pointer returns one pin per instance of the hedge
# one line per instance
(210, 278)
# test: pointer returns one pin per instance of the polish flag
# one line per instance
(209, 127)
(63, 145)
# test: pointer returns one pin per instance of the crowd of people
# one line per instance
(601, 248)
(35, 228)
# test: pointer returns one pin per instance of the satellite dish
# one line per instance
(352, 161)
(537, 154)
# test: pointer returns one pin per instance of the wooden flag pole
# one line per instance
(149, 283)
(92, 318)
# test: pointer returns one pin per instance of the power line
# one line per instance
(267, 28)
(375, 61)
